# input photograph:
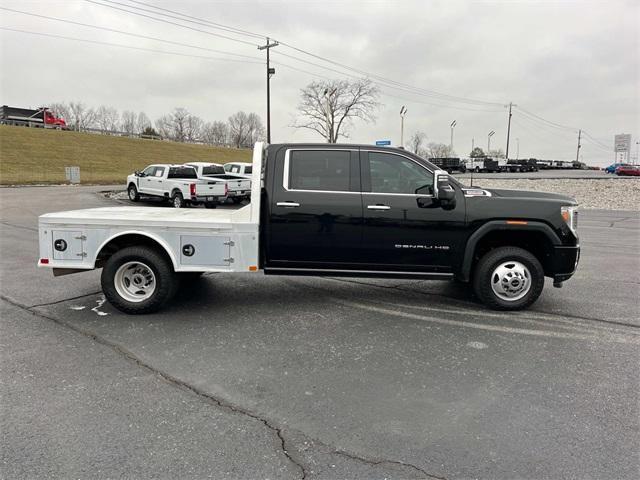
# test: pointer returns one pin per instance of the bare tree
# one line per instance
(499, 153)
(163, 125)
(245, 129)
(107, 118)
(193, 128)
(416, 141)
(438, 150)
(129, 122)
(215, 133)
(142, 122)
(81, 116)
(328, 106)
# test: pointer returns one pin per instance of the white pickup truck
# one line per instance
(241, 169)
(238, 187)
(178, 183)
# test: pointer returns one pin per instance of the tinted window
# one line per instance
(395, 174)
(319, 170)
(182, 172)
(212, 170)
(248, 169)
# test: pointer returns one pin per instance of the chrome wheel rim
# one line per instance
(132, 193)
(135, 281)
(177, 202)
(511, 281)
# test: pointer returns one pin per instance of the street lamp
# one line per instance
(453, 124)
(403, 112)
(491, 134)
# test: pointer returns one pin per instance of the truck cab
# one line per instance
(331, 210)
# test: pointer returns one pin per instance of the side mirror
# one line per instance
(442, 190)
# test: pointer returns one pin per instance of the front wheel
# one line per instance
(132, 191)
(508, 278)
(138, 280)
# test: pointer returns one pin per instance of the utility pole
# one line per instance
(491, 134)
(578, 149)
(511, 104)
(270, 73)
(517, 149)
(403, 112)
(453, 124)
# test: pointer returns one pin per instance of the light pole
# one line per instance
(403, 112)
(517, 149)
(491, 134)
(453, 124)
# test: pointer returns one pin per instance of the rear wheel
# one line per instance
(138, 280)
(132, 191)
(508, 278)
(178, 200)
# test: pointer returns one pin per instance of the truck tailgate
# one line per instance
(243, 185)
(210, 189)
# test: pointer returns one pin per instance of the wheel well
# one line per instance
(129, 240)
(534, 242)
(130, 184)
(174, 191)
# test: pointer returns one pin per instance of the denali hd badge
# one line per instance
(422, 247)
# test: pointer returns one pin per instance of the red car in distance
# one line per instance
(628, 170)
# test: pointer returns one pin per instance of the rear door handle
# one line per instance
(379, 207)
(288, 204)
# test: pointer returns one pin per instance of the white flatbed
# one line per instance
(196, 240)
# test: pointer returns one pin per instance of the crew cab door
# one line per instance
(315, 209)
(145, 180)
(156, 181)
(404, 227)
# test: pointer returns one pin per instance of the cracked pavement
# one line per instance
(246, 376)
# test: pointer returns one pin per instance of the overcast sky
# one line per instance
(573, 63)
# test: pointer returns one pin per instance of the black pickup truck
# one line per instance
(334, 210)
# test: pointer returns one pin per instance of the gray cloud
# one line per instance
(574, 63)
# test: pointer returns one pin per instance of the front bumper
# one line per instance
(564, 262)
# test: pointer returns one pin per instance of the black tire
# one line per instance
(166, 281)
(484, 277)
(177, 200)
(477, 169)
(211, 205)
(236, 200)
(133, 194)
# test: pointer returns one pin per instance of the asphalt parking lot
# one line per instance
(247, 376)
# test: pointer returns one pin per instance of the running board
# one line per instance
(324, 272)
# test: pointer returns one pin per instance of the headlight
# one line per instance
(570, 217)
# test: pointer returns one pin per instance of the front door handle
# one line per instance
(379, 207)
(288, 204)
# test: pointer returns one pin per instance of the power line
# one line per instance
(219, 25)
(130, 47)
(173, 23)
(113, 30)
(391, 83)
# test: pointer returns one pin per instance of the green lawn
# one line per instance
(36, 155)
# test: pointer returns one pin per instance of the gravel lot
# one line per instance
(606, 194)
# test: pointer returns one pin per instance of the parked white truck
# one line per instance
(238, 187)
(242, 169)
(178, 183)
